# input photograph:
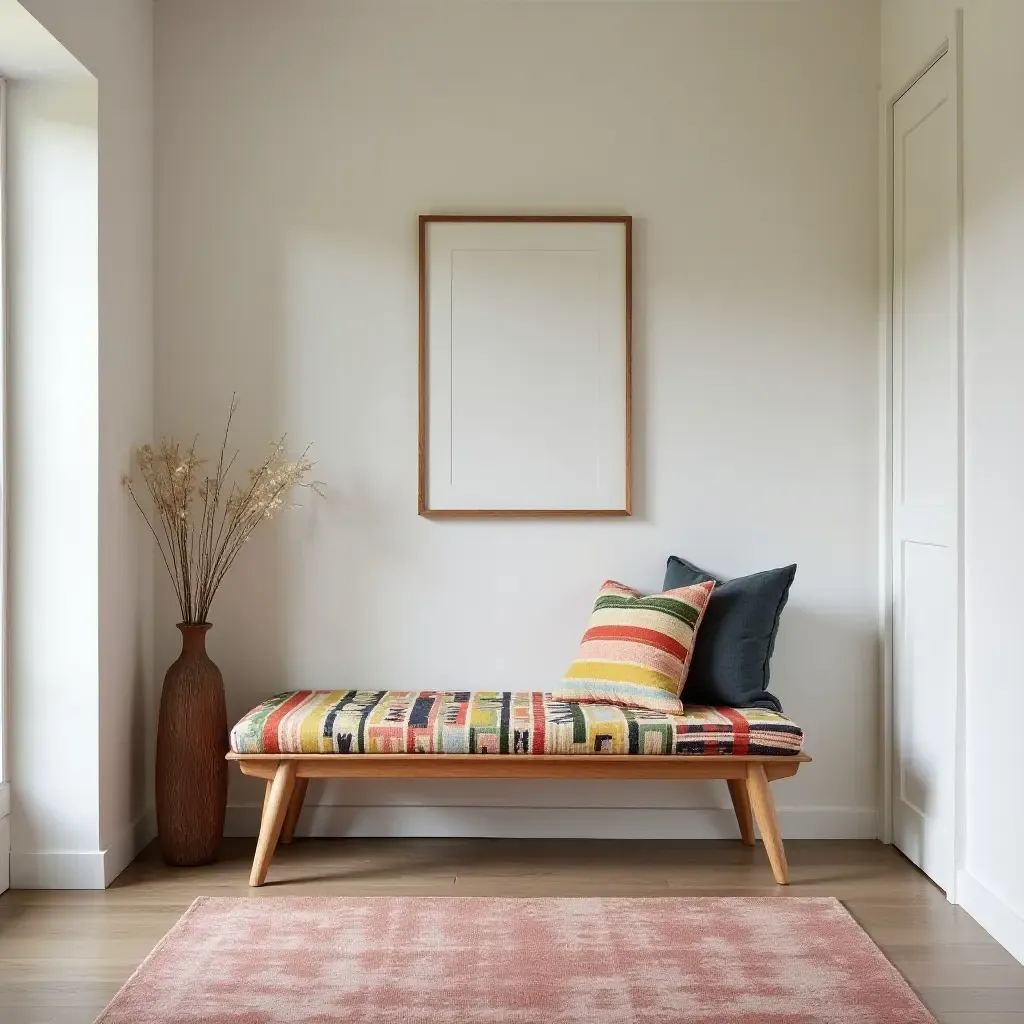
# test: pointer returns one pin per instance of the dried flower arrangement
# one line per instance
(204, 522)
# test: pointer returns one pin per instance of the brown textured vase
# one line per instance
(192, 739)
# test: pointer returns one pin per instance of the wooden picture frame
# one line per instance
(520, 426)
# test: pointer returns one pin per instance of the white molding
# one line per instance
(960, 709)
(1001, 921)
(5, 853)
(5, 699)
(5, 836)
(341, 820)
(75, 869)
(885, 461)
(82, 869)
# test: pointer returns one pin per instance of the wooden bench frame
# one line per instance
(288, 776)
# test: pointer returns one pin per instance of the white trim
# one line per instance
(960, 703)
(76, 869)
(953, 46)
(885, 463)
(5, 836)
(340, 820)
(5, 858)
(5, 789)
(82, 869)
(4, 322)
(1002, 922)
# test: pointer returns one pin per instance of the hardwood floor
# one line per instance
(64, 954)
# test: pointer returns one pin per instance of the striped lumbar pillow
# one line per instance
(637, 650)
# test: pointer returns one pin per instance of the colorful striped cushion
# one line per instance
(637, 650)
(463, 722)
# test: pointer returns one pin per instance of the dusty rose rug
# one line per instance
(531, 961)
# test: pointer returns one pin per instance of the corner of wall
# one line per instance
(999, 919)
(79, 869)
(133, 839)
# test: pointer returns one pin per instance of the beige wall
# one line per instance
(912, 32)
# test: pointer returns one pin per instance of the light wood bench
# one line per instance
(748, 778)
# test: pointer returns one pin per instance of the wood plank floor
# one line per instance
(64, 954)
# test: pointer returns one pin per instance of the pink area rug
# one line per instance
(531, 961)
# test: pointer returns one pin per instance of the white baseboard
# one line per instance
(5, 836)
(334, 820)
(82, 869)
(5, 853)
(1003, 923)
(74, 869)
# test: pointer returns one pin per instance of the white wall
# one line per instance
(994, 360)
(989, 885)
(113, 39)
(296, 143)
(53, 230)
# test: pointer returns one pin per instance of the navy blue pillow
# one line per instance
(734, 645)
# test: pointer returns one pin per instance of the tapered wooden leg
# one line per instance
(763, 806)
(741, 805)
(274, 811)
(294, 810)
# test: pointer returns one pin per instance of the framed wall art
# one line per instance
(524, 365)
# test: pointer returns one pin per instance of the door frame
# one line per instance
(952, 46)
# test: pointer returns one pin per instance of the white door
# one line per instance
(925, 480)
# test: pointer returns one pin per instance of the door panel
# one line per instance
(925, 416)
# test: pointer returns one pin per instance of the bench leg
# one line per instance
(291, 818)
(741, 805)
(275, 807)
(763, 806)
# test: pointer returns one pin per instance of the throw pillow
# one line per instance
(637, 649)
(731, 663)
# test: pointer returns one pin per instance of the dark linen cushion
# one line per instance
(731, 655)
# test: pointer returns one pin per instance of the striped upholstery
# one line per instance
(424, 722)
(636, 651)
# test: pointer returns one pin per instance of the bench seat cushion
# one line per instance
(460, 722)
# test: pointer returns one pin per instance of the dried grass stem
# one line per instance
(203, 524)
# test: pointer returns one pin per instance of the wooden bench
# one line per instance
(748, 778)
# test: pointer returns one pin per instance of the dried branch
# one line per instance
(203, 524)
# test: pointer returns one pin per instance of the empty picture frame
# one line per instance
(524, 366)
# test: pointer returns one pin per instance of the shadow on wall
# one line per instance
(838, 650)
